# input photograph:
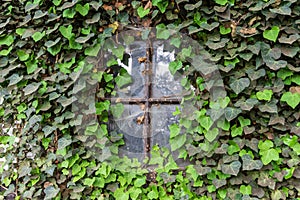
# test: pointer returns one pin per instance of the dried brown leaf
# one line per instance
(140, 119)
(251, 22)
(107, 7)
(142, 59)
(233, 29)
(147, 22)
(248, 31)
(269, 135)
(295, 89)
(148, 5)
(118, 4)
(142, 106)
(47, 184)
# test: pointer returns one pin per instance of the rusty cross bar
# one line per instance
(148, 100)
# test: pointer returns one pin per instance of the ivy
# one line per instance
(59, 65)
(291, 99)
(272, 34)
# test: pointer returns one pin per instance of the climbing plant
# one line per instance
(253, 153)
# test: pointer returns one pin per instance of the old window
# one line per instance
(148, 102)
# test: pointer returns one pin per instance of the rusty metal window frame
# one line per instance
(148, 100)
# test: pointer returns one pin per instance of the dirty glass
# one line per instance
(149, 101)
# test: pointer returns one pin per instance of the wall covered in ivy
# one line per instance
(45, 46)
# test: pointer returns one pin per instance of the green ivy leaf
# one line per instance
(264, 95)
(175, 66)
(89, 181)
(296, 79)
(232, 168)
(205, 122)
(289, 172)
(54, 49)
(221, 2)
(56, 2)
(66, 31)
(222, 193)
(246, 190)
(235, 131)
(231, 113)
(73, 160)
(31, 65)
(80, 175)
(291, 99)
(186, 52)
(211, 188)
(76, 168)
(142, 12)
(177, 141)
(211, 135)
(265, 145)
(224, 124)
(271, 34)
(65, 67)
(176, 41)
(123, 79)
(2, 112)
(102, 106)
(50, 192)
(22, 107)
(244, 122)
(120, 194)
(162, 32)
(292, 142)
(198, 19)
(69, 13)
(268, 155)
(20, 31)
(64, 142)
(224, 30)
(134, 192)
(93, 50)
(6, 40)
(83, 10)
(119, 51)
(174, 130)
(239, 85)
(23, 56)
(139, 182)
(117, 110)
(5, 52)
(108, 77)
(152, 194)
(192, 172)
(161, 4)
(233, 148)
(284, 73)
(43, 89)
(46, 142)
(38, 36)
(250, 164)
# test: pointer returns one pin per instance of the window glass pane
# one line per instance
(161, 118)
(163, 82)
(131, 128)
(136, 69)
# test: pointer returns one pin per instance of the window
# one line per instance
(148, 102)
